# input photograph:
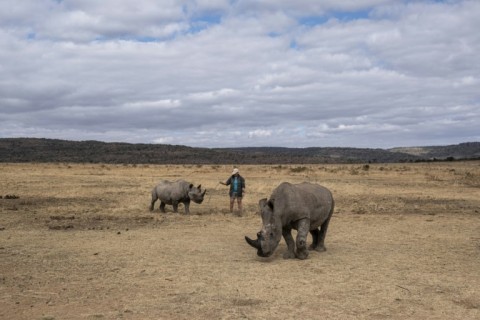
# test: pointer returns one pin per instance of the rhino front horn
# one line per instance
(253, 243)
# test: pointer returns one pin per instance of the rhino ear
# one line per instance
(262, 202)
(191, 186)
(199, 187)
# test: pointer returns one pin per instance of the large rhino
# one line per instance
(304, 207)
(173, 193)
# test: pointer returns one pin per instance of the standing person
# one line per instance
(237, 188)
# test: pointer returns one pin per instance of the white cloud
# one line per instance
(466, 81)
(163, 140)
(155, 105)
(260, 133)
(212, 96)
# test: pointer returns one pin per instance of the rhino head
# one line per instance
(269, 237)
(195, 193)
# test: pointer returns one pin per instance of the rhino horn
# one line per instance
(253, 243)
(204, 191)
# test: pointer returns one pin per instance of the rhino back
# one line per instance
(304, 200)
(168, 191)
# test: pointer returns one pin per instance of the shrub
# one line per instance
(298, 169)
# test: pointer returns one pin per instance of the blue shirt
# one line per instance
(235, 184)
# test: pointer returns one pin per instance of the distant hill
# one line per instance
(53, 150)
(467, 150)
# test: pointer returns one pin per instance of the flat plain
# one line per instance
(77, 241)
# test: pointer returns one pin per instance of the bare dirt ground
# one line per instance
(80, 243)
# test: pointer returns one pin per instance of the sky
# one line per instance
(242, 73)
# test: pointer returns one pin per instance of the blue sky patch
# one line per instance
(312, 21)
(204, 22)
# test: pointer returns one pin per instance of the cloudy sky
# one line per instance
(225, 73)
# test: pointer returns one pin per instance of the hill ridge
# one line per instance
(57, 150)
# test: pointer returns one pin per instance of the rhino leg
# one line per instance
(154, 198)
(287, 235)
(162, 206)
(320, 247)
(303, 228)
(175, 206)
(152, 204)
(187, 207)
(314, 234)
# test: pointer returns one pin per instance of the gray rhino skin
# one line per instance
(304, 207)
(173, 193)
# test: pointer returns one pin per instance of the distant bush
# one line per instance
(298, 169)
(354, 172)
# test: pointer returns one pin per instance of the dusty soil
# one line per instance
(80, 243)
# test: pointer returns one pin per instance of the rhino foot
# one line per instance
(289, 255)
(318, 248)
(303, 254)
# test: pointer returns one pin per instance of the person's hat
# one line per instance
(235, 171)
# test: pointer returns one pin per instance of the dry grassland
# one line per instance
(80, 243)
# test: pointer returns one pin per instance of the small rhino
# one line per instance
(173, 193)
